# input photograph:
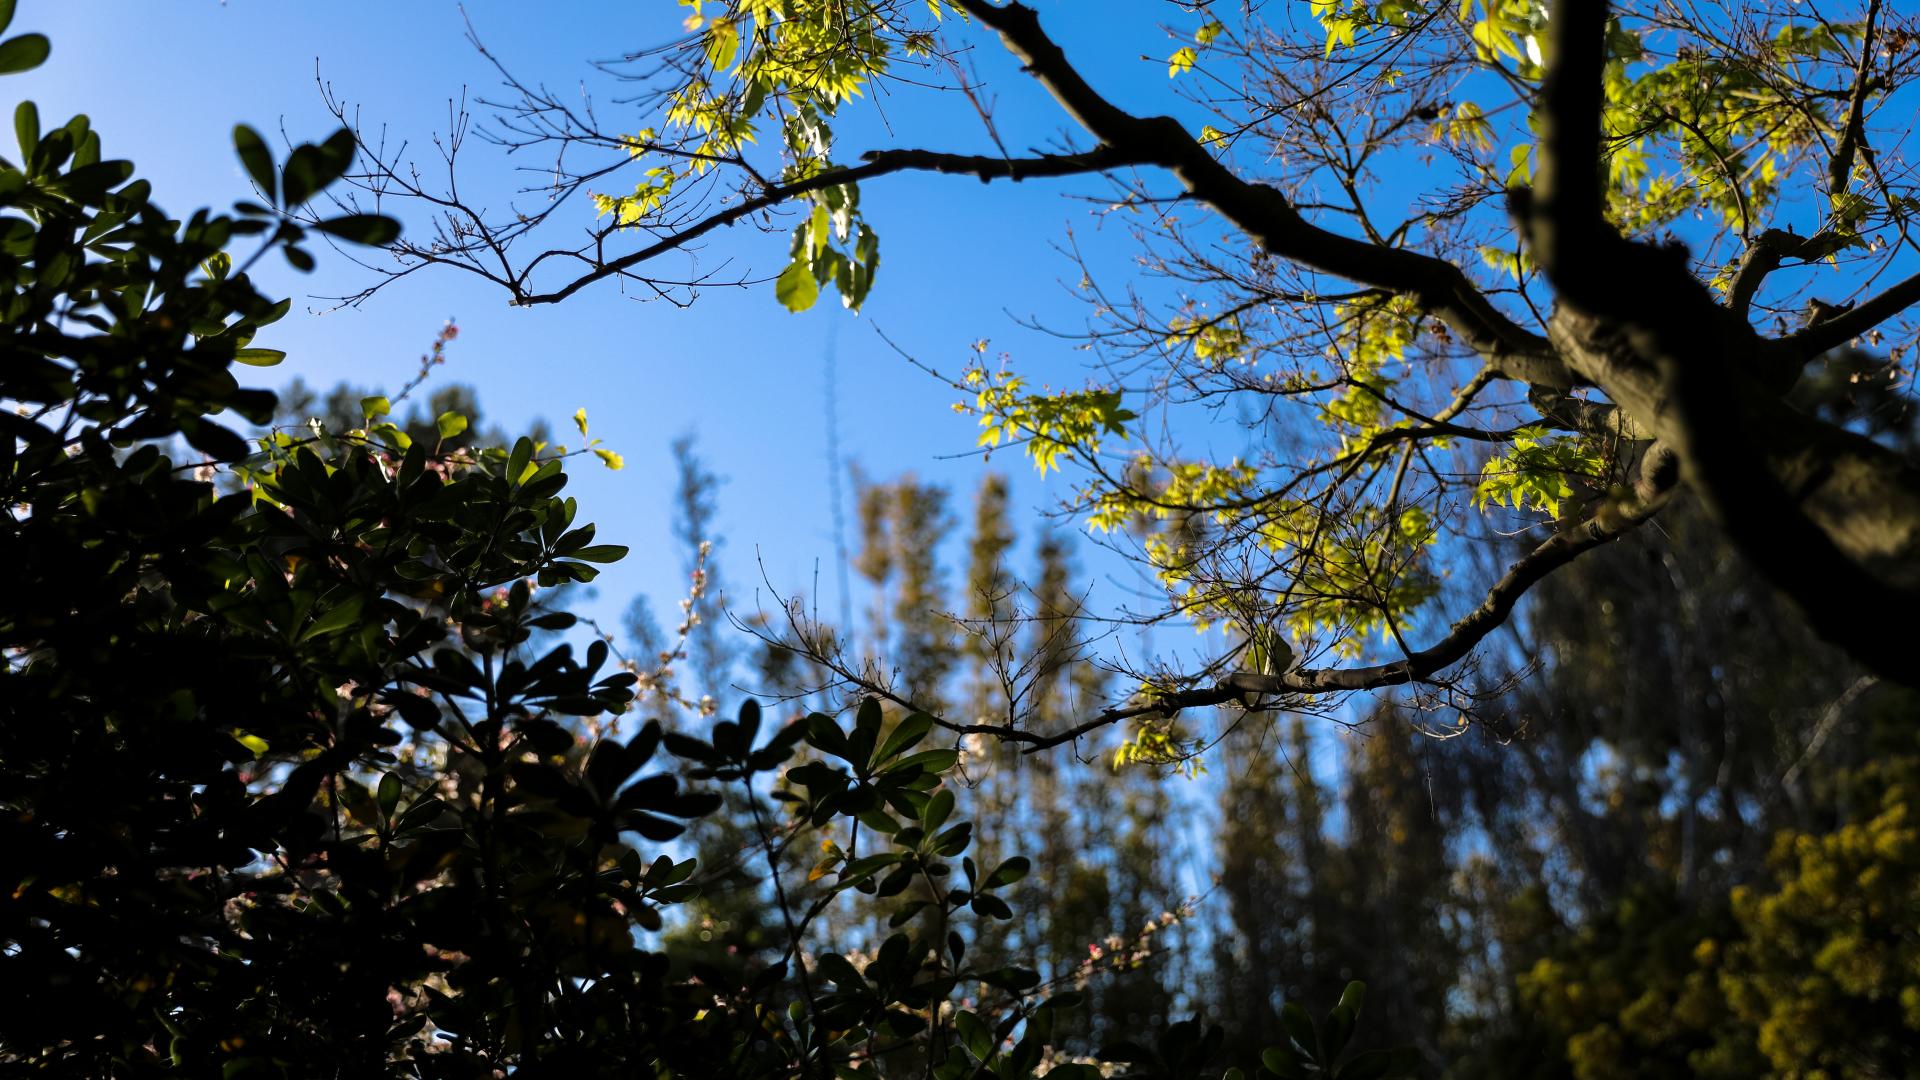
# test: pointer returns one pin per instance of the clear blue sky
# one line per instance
(165, 83)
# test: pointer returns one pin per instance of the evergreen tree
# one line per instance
(902, 525)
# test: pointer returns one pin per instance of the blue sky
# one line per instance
(166, 89)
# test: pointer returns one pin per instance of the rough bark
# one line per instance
(1830, 517)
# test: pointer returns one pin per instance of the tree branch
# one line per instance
(876, 163)
(1840, 329)
(987, 169)
(1564, 212)
(1840, 168)
(1264, 213)
(1761, 258)
(1659, 477)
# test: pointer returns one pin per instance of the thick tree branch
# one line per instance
(1563, 214)
(1603, 418)
(1850, 324)
(1265, 214)
(1761, 258)
(988, 169)
(1840, 168)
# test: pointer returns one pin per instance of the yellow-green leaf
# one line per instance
(795, 287)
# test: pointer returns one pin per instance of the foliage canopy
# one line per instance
(1469, 269)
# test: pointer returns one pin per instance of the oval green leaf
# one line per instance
(24, 53)
(257, 160)
(370, 229)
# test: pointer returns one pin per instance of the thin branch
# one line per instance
(1837, 331)
(877, 163)
(1659, 478)
(1828, 719)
